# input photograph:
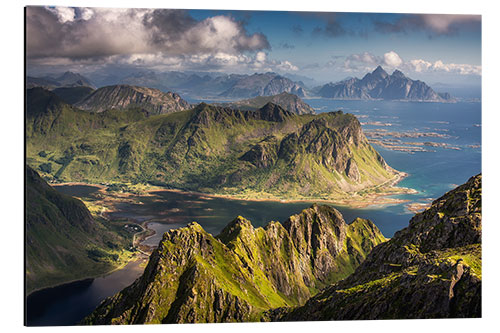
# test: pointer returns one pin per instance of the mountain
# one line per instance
(73, 95)
(287, 101)
(201, 85)
(120, 97)
(63, 241)
(380, 85)
(265, 84)
(67, 79)
(431, 269)
(266, 153)
(195, 277)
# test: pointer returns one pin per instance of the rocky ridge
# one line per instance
(195, 277)
(380, 85)
(431, 269)
(153, 101)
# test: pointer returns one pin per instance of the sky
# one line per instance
(326, 47)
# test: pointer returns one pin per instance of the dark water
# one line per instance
(69, 304)
(431, 173)
(80, 191)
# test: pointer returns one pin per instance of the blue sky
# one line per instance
(323, 46)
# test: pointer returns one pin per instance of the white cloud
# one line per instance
(99, 33)
(365, 62)
(392, 59)
(64, 14)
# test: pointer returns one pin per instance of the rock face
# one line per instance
(380, 85)
(266, 84)
(153, 101)
(287, 101)
(431, 269)
(195, 277)
(269, 152)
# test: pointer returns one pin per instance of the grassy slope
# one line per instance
(63, 241)
(431, 269)
(199, 149)
(256, 268)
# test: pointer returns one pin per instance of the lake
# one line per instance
(431, 172)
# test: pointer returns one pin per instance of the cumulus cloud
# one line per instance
(433, 24)
(391, 60)
(97, 33)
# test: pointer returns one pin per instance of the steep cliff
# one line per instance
(265, 153)
(431, 269)
(63, 241)
(236, 276)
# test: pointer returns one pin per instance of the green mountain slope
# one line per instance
(431, 269)
(63, 241)
(287, 101)
(267, 153)
(195, 277)
(73, 95)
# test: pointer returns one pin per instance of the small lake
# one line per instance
(77, 190)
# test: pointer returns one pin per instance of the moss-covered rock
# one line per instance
(431, 269)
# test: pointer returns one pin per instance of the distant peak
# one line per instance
(398, 73)
(380, 71)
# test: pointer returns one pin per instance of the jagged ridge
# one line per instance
(380, 85)
(431, 269)
(268, 152)
(195, 277)
(121, 97)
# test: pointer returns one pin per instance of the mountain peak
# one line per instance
(379, 71)
(397, 73)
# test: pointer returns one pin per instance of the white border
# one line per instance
(12, 159)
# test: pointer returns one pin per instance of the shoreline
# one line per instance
(90, 277)
(355, 201)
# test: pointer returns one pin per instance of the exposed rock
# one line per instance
(380, 85)
(431, 269)
(194, 277)
(153, 101)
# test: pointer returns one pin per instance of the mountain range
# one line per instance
(295, 270)
(235, 276)
(66, 79)
(287, 101)
(375, 85)
(380, 85)
(269, 152)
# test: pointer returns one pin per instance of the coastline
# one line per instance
(375, 195)
(355, 200)
(89, 277)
